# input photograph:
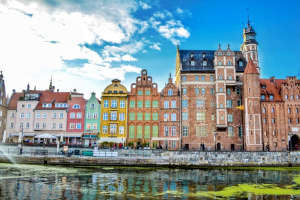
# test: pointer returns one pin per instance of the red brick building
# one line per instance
(75, 120)
(169, 117)
(143, 112)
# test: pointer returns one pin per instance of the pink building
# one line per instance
(75, 119)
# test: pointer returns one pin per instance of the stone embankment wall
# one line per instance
(171, 159)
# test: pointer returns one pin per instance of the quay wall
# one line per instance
(169, 159)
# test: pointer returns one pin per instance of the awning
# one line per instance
(24, 134)
(46, 136)
(114, 140)
(86, 136)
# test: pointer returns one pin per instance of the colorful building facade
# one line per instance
(75, 119)
(114, 114)
(169, 136)
(143, 112)
(92, 121)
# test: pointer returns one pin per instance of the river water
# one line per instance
(54, 182)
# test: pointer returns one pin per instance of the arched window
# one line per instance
(241, 64)
(76, 106)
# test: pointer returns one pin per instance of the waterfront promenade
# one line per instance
(132, 157)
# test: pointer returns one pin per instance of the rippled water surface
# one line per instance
(48, 182)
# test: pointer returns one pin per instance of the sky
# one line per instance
(84, 44)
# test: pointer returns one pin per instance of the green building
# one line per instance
(92, 121)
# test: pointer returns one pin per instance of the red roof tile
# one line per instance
(250, 68)
(12, 105)
(48, 96)
(271, 87)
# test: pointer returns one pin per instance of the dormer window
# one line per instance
(228, 54)
(241, 63)
(262, 97)
(271, 97)
(204, 63)
(170, 92)
(263, 86)
(192, 63)
(219, 53)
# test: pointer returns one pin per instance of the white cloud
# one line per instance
(128, 57)
(144, 5)
(179, 10)
(155, 46)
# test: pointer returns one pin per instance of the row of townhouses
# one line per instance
(217, 102)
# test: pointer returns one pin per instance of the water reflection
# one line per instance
(39, 182)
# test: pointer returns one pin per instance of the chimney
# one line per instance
(57, 90)
(74, 90)
(14, 90)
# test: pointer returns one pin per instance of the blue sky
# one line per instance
(84, 44)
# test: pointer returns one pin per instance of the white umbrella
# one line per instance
(46, 136)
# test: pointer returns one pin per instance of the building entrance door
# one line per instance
(295, 143)
(218, 147)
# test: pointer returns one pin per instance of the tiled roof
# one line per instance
(198, 56)
(251, 68)
(48, 96)
(12, 105)
(271, 87)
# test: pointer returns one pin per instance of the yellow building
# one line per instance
(114, 114)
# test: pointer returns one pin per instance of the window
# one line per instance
(61, 115)
(241, 63)
(104, 129)
(297, 110)
(212, 117)
(289, 120)
(184, 116)
(72, 115)
(228, 91)
(154, 131)
(54, 115)
(219, 63)
(203, 91)
(54, 126)
(193, 62)
(240, 132)
(204, 63)
(105, 116)
(44, 125)
(238, 91)
(264, 110)
(173, 131)
(140, 92)
(289, 110)
(211, 78)
(132, 104)
(200, 131)
(28, 115)
(166, 104)
(147, 92)
(184, 91)
(147, 104)
(273, 121)
(79, 115)
(140, 104)
(220, 89)
(113, 115)
(28, 105)
(11, 125)
(95, 115)
(272, 110)
(271, 97)
(200, 116)
(173, 104)
(228, 103)
(196, 78)
(230, 131)
(76, 106)
(229, 118)
(286, 96)
(113, 129)
(114, 104)
(183, 78)
(155, 104)
(229, 63)
(131, 116)
(239, 102)
(291, 97)
(173, 117)
(212, 90)
(170, 92)
(140, 116)
(221, 105)
(122, 116)
(37, 115)
(44, 115)
(166, 117)
(105, 104)
(147, 132)
(166, 131)
(147, 116)
(139, 132)
(122, 104)
(197, 91)
(297, 120)
(27, 125)
(202, 77)
(131, 131)
(21, 125)
(37, 125)
(60, 125)
(22, 115)
(173, 144)
(155, 116)
(121, 130)
(78, 126)
(184, 103)
(185, 131)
